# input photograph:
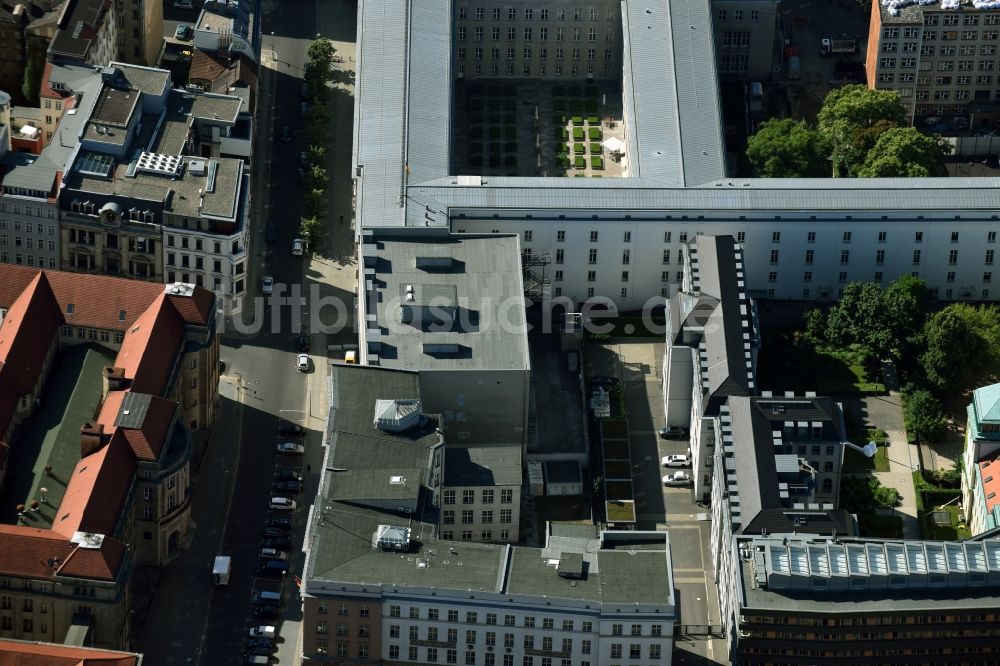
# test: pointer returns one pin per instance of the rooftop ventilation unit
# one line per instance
(158, 164)
(570, 565)
(396, 415)
(434, 263)
(393, 539)
(197, 167)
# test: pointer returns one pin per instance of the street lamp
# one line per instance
(868, 449)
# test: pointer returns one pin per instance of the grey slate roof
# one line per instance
(486, 278)
(487, 465)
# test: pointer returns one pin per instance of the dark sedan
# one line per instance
(280, 543)
(287, 487)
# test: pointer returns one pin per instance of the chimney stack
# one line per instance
(92, 438)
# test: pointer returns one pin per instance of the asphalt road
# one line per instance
(191, 621)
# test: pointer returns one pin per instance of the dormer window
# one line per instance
(88, 207)
(147, 216)
(75, 206)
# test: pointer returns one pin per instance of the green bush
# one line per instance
(593, 120)
(578, 120)
(597, 162)
(563, 134)
(596, 149)
(579, 149)
(594, 133)
(948, 478)
(580, 175)
(563, 161)
(580, 162)
(578, 134)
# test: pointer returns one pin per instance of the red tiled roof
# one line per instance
(150, 345)
(989, 469)
(196, 308)
(146, 441)
(46, 90)
(25, 653)
(26, 335)
(89, 295)
(96, 563)
(97, 490)
(27, 551)
(207, 66)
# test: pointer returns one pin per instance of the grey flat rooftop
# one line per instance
(562, 471)
(487, 465)
(31, 172)
(179, 195)
(223, 108)
(485, 277)
(148, 80)
(115, 106)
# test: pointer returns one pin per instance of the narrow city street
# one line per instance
(231, 489)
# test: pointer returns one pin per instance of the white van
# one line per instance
(263, 631)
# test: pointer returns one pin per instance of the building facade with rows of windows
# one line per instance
(744, 38)
(523, 40)
(481, 495)
(942, 62)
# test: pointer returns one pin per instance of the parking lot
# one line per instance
(638, 365)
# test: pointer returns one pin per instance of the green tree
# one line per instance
(884, 496)
(816, 324)
(31, 84)
(787, 148)
(847, 113)
(922, 416)
(859, 317)
(314, 203)
(960, 346)
(320, 55)
(905, 304)
(312, 231)
(904, 152)
(316, 177)
(317, 154)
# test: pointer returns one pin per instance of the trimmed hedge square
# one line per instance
(562, 133)
(578, 121)
(594, 133)
(596, 149)
(578, 134)
(596, 162)
(579, 175)
(593, 120)
(580, 162)
(579, 149)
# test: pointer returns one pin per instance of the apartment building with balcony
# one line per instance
(805, 599)
(942, 61)
(115, 364)
(981, 461)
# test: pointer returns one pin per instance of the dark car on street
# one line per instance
(272, 568)
(287, 486)
(602, 380)
(260, 651)
(265, 611)
(281, 543)
(260, 642)
(289, 429)
(287, 474)
(274, 532)
(279, 522)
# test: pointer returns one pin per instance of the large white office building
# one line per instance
(621, 238)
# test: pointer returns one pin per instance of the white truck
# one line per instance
(221, 569)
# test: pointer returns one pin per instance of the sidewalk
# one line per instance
(903, 461)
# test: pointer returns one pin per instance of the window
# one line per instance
(591, 276)
(616, 630)
(448, 497)
(558, 276)
(448, 518)
(989, 257)
(505, 515)
(560, 256)
(842, 276)
(774, 256)
(560, 236)
(991, 237)
(666, 236)
(506, 495)
(654, 649)
(593, 236)
(616, 650)
(845, 256)
(666, 256)
(487, 517)
(809, 256)
(772, 276)
(624, 276)
(918, 237)
(952, 257)
(592, 257)
(467, 517)
(626, 256)
(807, 276)
(916, 257)
(880, 257)
(468, 497)
(776, 237)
